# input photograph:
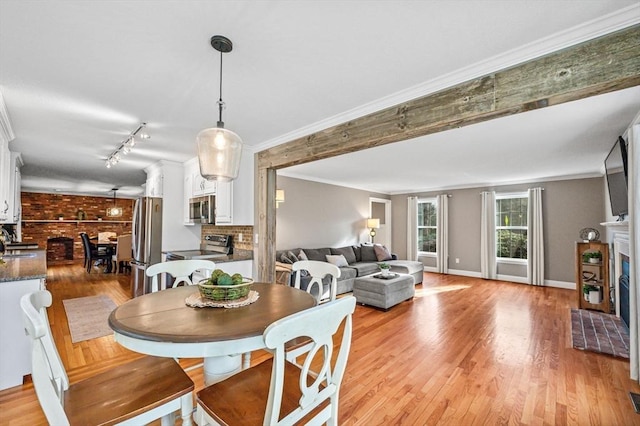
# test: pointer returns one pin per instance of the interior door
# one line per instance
(379, 208)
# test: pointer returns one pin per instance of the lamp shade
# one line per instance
(373, 223)
(279, 195)
(219, 154)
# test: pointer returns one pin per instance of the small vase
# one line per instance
(594, 260)
(384, 272)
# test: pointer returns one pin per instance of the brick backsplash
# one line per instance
(40, 218)
(234, 231)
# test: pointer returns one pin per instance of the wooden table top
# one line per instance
(164, 317)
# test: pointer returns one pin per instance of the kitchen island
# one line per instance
(21, 272)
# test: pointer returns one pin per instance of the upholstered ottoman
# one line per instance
(384, 293)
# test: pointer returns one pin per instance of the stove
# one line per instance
(213, 246)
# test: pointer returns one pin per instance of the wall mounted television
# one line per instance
(616, 169)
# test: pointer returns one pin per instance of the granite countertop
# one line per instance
(238, 255)
(23, 265)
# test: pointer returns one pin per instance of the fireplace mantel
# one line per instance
(620, 239)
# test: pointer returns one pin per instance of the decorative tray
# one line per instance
(196, 300)
(386, 277)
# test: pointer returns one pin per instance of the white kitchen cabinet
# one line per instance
(5, 180)
(15, 351)
(202, 186)
(188, 185)
(224, 203)
(10, 185)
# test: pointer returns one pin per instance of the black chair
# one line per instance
(93, 253)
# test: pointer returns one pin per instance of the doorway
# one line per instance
(379, 208)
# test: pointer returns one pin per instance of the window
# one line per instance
(511, 226)
(427, 226)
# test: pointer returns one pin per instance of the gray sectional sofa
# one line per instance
(361, 260)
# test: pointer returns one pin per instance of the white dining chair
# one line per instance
(317, 271)
(259, 395)
(135, 393)
(181, 270)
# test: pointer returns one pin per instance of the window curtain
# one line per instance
(488, 236)
(634, 249)
(535, 238)
(412, 228)
(442, 234)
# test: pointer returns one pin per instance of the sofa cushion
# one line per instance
(358, 253)
(368, 253)
(347, 272)
(365, 268)
(347, 252)
(319, 254)
(337, 259)
(382, 253)
(285, 259)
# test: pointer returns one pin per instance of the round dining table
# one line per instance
(162, 324)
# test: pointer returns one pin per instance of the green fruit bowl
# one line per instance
(223, 293)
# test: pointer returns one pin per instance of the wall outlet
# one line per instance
(457, 260)
(240, 238)
(256, 239)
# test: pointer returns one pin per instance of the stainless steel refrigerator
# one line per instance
(146, 242)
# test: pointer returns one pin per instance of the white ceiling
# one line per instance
(78, 76)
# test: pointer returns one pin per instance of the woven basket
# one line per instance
(225, 292)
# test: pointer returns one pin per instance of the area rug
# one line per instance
(599, 332)
(87, 317)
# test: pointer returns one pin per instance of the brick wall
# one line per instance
(40, 218)
(234, 231)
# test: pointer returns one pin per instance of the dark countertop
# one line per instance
(23, 265)
(238, 255)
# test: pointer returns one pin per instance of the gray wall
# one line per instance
(321, 215)
(568, 206)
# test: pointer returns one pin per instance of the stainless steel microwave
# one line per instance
(203, 209)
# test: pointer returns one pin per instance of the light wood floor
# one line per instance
(465, 351)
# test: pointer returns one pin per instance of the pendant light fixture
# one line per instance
(219, 149)
(114, 211)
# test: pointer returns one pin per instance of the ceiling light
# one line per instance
(126, 145)
(219, 149)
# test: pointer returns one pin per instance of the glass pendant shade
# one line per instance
(219, 153)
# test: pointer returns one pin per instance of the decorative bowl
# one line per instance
(225, 292)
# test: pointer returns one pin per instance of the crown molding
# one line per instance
(6, 132)
(610, 23)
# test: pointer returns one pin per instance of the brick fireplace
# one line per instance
(59, 249)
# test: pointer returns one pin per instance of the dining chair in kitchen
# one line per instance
(181, 270)
(123, 254)
(92, 252)
(134, 393)
(317, 271)
(262, 394)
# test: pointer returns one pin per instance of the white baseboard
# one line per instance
(430, 269)
(512, 278)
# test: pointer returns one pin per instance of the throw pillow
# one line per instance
(285, 259)
(292, 256)
(302, 255)
(358, 253)
(368, 253)
(382, 253)
(337, 259)
(347, 252)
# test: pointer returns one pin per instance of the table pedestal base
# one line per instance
(218, 368)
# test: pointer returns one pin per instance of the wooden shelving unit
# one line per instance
(592, 275)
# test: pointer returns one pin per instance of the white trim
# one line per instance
(472, 274)
(612, 22)
(430, 269)
(6, 131)
(512, 278)
(560, 284)
(507, 260)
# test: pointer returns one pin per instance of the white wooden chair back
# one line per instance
(49, 377)
(318, 270)
(320, 324)
(123, 251)
(179, 269)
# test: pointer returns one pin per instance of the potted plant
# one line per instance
(384, 268)
(592, 257)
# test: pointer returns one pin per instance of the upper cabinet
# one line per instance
(10, 183)
(153, 187)
(201, 186)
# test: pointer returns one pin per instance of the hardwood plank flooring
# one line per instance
(465, 351)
